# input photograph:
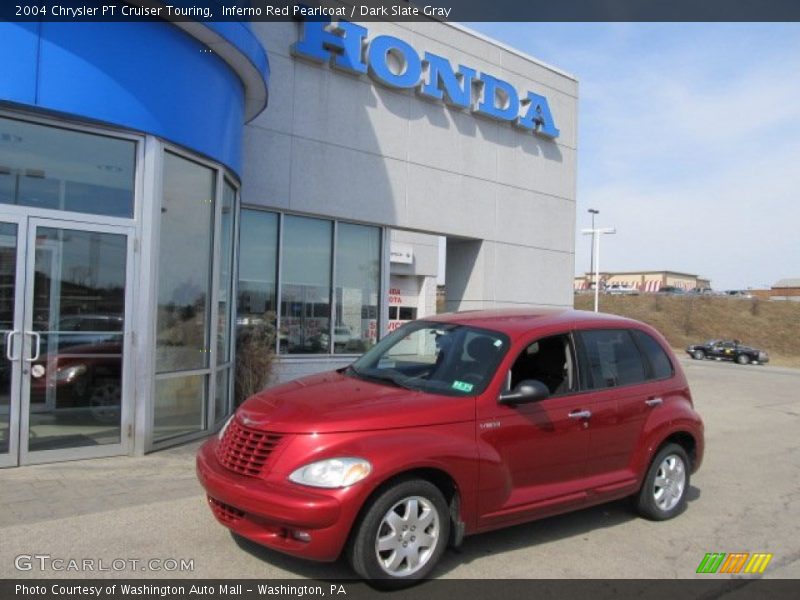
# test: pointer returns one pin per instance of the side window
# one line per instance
(660, 365)
(612, 358)
(548, 360)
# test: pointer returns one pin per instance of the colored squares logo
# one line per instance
(734, 562)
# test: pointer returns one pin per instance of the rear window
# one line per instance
(660, 365)
(612, 358)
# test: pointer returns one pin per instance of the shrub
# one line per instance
(255, 355)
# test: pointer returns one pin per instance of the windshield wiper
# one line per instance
(384, 377)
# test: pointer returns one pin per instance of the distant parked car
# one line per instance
(738, 294)
(671, 290)
(701, 291)
(619, 289)
(727, 350)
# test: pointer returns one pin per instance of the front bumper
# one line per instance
(274, 514)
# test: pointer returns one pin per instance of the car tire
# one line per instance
(698, 355)
(663, 493)
(386, 547)
(743, 359)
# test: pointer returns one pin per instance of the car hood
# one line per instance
(331, 402)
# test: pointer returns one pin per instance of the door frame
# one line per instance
(11, 458)
(28, 224)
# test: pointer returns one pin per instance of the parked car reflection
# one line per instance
(80, 369)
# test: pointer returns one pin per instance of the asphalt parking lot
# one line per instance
(746, 498)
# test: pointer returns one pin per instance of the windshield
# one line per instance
(440, 358)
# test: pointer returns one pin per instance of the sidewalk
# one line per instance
(69, 489)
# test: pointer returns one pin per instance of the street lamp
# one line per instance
(595, 233)
(593, 212)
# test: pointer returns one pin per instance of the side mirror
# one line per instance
(528, 390)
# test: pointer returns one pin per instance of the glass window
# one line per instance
(612, 357)
(407, 313)
(660, 365)
(225, 273)
(258, 262)
(440, 358)
(306, 286)
(8, 270)
(548, 360)
(179, 406)
(358, 269)
(48, 167)
(187, 214)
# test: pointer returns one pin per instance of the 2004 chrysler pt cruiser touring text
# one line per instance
(455, 425)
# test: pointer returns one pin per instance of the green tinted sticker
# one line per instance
(462, 386)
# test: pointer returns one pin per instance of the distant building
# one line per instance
(645, 281)
(786, 289)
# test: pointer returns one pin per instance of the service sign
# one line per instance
(394, 63)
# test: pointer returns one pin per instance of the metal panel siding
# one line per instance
(19, 44)
(149, 77)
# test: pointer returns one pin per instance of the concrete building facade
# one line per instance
(285, 194)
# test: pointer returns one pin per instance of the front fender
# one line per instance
(448, 448)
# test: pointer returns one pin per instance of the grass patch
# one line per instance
(767, 325)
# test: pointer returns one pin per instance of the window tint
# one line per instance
(612, 358)
(660, 365)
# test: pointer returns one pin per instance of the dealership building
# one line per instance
(167, 188)
(644, 281)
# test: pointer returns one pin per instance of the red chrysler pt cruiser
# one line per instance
(452, 426)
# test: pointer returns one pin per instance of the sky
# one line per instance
(688, 143)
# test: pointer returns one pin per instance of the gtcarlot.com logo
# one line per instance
(734, 562)
(46, 562)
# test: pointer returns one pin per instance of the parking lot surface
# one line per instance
(746, 498)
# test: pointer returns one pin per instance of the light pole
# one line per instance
(595, 233)
(593, 212)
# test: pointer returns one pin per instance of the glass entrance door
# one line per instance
(65, 350)
(11, 281)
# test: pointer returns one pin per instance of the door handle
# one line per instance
(10, 336)
(653, 401)
(36, 335)
(580, 414)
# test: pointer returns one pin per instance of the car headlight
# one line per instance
(224, 427)
(332, 473)
(69, 374)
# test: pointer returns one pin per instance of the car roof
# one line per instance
(516, 321)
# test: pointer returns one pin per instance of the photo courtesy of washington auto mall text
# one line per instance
(174, 589)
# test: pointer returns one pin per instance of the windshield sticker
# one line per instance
(462, 386)
(498, 343)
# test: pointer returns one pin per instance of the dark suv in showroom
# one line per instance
(452, 426)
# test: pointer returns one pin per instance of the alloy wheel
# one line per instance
(407, 536)
(670, 482)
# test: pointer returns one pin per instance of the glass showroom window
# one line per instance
(312, 253)
(306, 285)
(227, 229)
(258, 264)
(184, 286)
(48, 167)
(358, 269)
(256, 301)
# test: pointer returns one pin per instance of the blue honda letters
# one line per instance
(394, 63)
